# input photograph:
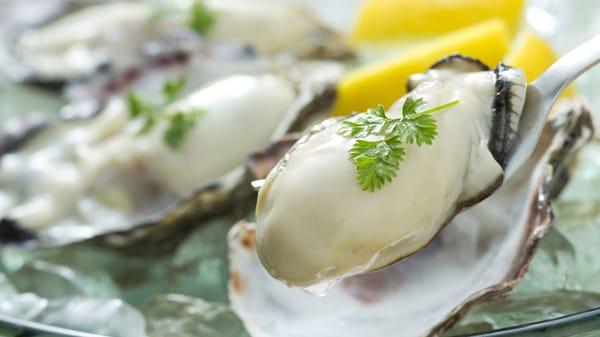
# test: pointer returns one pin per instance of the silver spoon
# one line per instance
(543, 92)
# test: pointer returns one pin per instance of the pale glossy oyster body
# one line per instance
(481, 253)
(315, 222)
(119, 36)
(74, 179)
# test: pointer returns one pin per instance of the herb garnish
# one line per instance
(201, 18)
(378, 160)
(180, 122)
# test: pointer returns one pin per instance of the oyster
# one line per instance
(306, 237)
(81, 41)
(298, 31)
(120, 35)
(210, 64)
(78, 178)
(480, 254)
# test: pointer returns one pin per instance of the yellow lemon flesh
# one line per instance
(383, 82)
(397, 19)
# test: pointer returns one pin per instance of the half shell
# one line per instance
(313, 215)
(482, 253)
(80, 38)
(314, 91)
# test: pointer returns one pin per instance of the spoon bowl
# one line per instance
(541, 95)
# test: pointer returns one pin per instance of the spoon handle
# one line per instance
(542, 93)
(554, 80)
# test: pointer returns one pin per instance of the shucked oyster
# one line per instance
(78, 178)
(123, 34)
(315, 222)
(271, 27)
(481, 253)
(79, 42)
(199, 68)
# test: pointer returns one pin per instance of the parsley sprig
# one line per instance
(201, 18)
(377, 160)
(180, 122)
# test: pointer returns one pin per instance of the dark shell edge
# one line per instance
(471, 64)
(467, 63)
(503, 134)
(503, 116)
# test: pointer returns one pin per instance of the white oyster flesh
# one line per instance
(78, 43)
(253, 22)
(483, 252)
(404, 300)
(316, 224)
(150, 80)
(242, 113)
(118, 33)
(100, 171)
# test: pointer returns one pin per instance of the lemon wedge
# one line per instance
(383, 82)
(399, 19)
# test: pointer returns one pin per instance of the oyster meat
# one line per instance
(120, 35)
(482, 253)
(74, 179)
(316, 225)
(206, 65)
(251, 23)
(78, 43)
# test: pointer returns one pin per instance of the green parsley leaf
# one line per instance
(377, 161)
(180, 124)
(201, 18)
(366, 124)
(411, 106)
(140, 108)
(172, 90)
(149, 122)
(421, 129)
(135, 105)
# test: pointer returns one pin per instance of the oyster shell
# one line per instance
(117, 36)
(305, 245)
(75, 179)
(480, 254)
